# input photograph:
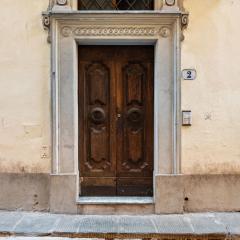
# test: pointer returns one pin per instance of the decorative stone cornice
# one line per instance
(63, 8)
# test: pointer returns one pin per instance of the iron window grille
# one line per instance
(116, 5)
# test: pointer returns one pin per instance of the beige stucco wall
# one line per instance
(24, 87)
(211, 46)
(210, 145)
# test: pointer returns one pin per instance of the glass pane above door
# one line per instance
(116, 5)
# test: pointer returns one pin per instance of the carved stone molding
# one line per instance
(170, 5)
(165, 32)
(115, 31)
(67, 31)
(46, 21)
(185, 20)
(184, 23)
(60, 5)
(64, 7)
(46, 24)
(62, 2)
(170, 2)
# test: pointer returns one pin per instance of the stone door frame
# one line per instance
(68, 29)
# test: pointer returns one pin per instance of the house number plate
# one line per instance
(189, 74)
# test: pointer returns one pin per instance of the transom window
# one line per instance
(115, 4)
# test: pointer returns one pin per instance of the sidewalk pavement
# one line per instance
(41, 238)
(214, 226)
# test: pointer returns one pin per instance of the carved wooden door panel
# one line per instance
(116, 120)
(135, 130)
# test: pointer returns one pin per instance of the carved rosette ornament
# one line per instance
(165, 32)
(66, 31)
(62, 2)
(170, 2)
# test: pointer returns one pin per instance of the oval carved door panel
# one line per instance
(116, 120)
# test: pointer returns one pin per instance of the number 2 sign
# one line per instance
(189, 74)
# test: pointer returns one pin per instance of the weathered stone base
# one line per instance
(174, 194)
(63, 194)
(116, 209)
(197, 193)
(24, 191)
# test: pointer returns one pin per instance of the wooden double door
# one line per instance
(116, 120)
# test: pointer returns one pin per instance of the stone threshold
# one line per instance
(214, 226)
(114, 200)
